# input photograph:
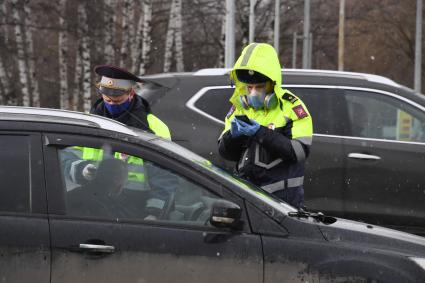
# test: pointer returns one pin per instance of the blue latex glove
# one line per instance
(247, 129)
(234, 128)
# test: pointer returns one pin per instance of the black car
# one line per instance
(213, 228)
(368, 154)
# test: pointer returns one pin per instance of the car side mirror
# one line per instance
(226, 214)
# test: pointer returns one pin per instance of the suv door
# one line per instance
(119, 240)
(324, 179)
(24, 236)
(385, 159)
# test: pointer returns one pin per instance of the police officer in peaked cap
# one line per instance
(120, 102)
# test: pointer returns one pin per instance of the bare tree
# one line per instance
(170, 37)
(4, 21)
(63, 52)
(125, 32)
(5, 88)
(29, 43)
(19, 37)
(85, 56)
(174, 36)
(178, 36)
(110, 21)
(4, 80)
(146, 44)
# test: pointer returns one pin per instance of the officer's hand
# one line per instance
(234, 129)
(248, 129)
(89, 171)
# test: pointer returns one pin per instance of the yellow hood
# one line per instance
(260, 57)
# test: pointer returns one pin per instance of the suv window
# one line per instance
(215, 102)
(15, 173)
(115, 185)
(380, 116)
(327, 108)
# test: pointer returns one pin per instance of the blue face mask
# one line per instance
(116, 109)
(256, 100)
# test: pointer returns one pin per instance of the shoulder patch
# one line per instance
(300, 111)
(289, 97)
(232, 109)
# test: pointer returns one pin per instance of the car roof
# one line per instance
(310, 72)
(57, 116)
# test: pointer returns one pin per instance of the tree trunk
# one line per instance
(4, 21)
(29, 43)
(63, 61)
(4, 81)
(110, 19)
(125, 33)
(136, 41)
(146, 44)
(75, 101)
(220, 61)
(85, 57)
(23, 79)
(178, 36)
(136, 34)
(170, 37)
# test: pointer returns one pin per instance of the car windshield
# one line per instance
(248, 187)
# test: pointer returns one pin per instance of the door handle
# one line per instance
(97, 248)
(363, 156)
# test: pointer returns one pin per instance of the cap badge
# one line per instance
(110, 82)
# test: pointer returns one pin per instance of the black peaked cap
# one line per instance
(116, 73)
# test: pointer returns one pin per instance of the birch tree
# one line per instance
(63, 61)
(85, 56)
(146, 44)
(23, 79)
(220, 61)
(77, 78)
(4, 20)
(29, 43)
(169, 38)
(137, 38)
(125, 32)
(174, 35)
(4, 81)
(110, 21)
(178, 36)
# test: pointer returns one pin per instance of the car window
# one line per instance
(15, 173)
(327, 108)
(379, 116)
(115, 185)
(215, 102)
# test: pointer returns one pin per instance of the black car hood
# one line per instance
(371, 236)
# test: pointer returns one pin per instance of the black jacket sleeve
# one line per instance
(276, 142)
(231, 148)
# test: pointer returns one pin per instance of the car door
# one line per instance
(121, 241)
(24, 232)
(385, 157)
(324, 178)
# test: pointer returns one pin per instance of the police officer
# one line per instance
(268, 130)
(119, 101)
